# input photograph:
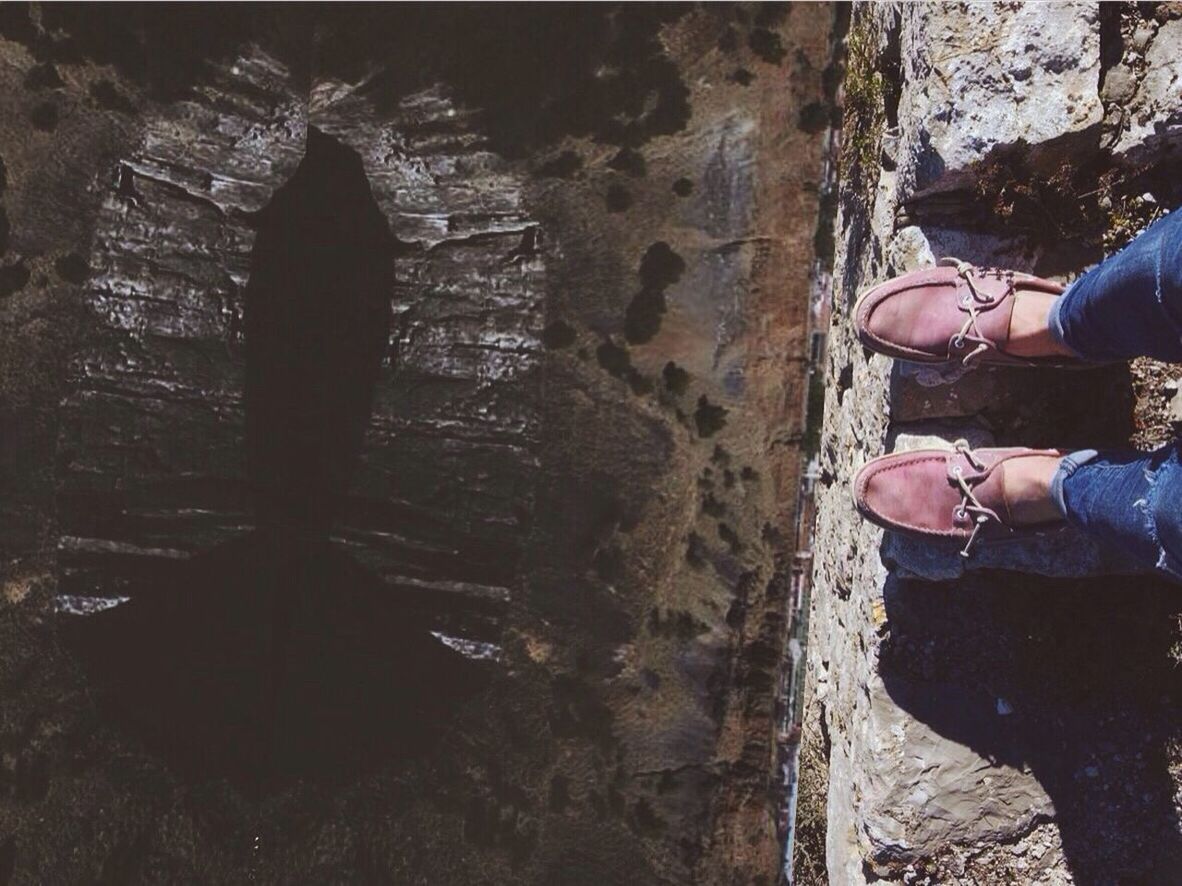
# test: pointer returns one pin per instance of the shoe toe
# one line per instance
(911, 317)
(907, 491)
(885, 316)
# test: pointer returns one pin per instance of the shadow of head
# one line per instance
(1076, 682)
(263, 663)
(317, 324)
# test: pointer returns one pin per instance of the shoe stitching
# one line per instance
(864, 480)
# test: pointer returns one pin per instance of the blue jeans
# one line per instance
(1130, 305)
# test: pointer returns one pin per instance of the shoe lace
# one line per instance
(970, 331)
(970, 505)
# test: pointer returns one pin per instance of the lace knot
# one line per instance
(970, 507)
(973, 306)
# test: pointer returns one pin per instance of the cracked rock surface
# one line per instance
(1015, 722)
(982, 75)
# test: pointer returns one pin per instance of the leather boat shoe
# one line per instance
(943, 494)
(955, 314)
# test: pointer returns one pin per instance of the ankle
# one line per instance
(1030, 331)
(1026, 485)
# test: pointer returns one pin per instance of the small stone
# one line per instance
(1092, 771)
(1174, 409)
(1004, 708)
(1154, 55)
(1120, 84)
(909, 250)
(1143, 35)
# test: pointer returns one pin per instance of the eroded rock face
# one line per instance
(981, 75)
(988, 725)
(1143, 86)
(538, 640)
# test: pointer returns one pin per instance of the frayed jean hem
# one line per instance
(1068, 466)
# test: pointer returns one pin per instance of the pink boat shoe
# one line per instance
(944, 494)
(954, 314)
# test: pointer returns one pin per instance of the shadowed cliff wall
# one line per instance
(542, 558)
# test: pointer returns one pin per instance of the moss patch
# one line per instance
(1128, 215)
(814, 416)
(1082, 198)
(864, 114)
(1047, 206)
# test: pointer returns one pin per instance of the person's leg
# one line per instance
(1130, 305)
(1131, 500)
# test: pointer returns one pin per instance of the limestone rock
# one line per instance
(1151, 105)
(962, 726)
(979, 75)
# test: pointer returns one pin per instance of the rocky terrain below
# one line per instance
(1017, 722)
(401, 414)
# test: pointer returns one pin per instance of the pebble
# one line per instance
(1120, 83)
(1143, 35)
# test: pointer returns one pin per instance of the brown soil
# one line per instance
(1151, 423)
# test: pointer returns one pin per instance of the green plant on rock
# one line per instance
(864, 115)
(1128, 215)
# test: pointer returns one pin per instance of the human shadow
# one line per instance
(276, 656)
(1076, 681)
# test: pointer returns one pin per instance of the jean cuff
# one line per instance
(1068, 466)
(1055, 322)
